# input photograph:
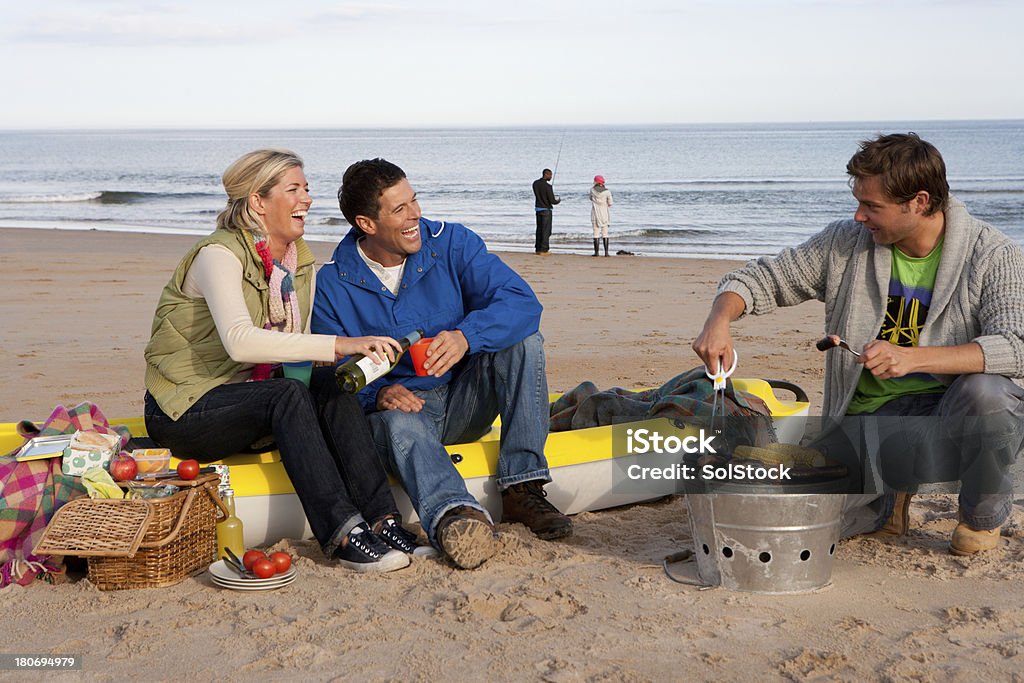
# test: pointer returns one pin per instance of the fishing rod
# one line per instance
(558, 158)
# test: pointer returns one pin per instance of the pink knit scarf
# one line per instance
(283, 308)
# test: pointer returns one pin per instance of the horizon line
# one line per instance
(538, 126)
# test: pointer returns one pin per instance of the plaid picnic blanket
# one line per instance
(31, 492)
(687, 395)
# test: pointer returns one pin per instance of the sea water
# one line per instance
(724, 191)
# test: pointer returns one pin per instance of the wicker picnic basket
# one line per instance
(140, 543)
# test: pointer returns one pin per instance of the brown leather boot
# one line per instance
(467, 536)
(527, 504)
(898, 523)
(969, 541)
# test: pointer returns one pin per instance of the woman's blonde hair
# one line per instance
(255, 173)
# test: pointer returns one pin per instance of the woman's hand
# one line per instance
(377, 349)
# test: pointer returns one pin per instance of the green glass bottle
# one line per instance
(358, 370)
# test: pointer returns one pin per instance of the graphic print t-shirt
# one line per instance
(910, 294)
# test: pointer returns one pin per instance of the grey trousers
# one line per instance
(972, 433)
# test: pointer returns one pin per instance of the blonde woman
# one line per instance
(236, 307)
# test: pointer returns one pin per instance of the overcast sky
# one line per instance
(318, 63)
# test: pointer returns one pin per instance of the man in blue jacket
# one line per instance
(396, 272)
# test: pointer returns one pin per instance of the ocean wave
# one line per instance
(753, 182)
(332, 220)
(667, 232)
(51, 198)
(102, 197)
(132, 197)
(987, 190)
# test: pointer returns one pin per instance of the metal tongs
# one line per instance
(718, 400)
(832, 341)
(232, 561)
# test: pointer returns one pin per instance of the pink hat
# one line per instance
(599, 179)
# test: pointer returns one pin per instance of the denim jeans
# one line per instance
(971, 434)
(543, 230)
(321, 433)
(512, 383)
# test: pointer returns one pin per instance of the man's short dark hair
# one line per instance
(362, 185)
(906, 164)
(546, 170)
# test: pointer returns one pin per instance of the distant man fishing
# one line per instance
(543, 205)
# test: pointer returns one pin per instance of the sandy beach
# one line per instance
(596, 607)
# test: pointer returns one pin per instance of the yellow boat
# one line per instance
(583, 464)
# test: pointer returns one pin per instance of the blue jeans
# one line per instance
(971, 434)
(321, 433)
(512, 383)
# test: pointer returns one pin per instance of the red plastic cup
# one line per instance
(418, 353)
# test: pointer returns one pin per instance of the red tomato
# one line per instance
(188, 469)
(251, 556)
(264, 568)
(282, 561)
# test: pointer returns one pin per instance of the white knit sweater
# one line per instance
(216, 276)
(978, 295)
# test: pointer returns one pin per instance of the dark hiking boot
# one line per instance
(527, 504)
(467, 536)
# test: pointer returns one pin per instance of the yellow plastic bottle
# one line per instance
(229, 532)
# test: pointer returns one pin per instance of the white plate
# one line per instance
(249, 587)
(258, 584)
(222, 571)
(243, 582)
(228, 584)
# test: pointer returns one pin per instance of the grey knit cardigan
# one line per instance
(978, 295)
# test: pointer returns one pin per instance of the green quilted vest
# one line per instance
(184, 356)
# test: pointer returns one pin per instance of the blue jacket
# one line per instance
(451, 283)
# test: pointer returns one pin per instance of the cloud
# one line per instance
(151, 27)
(356, 12)
(120, 24)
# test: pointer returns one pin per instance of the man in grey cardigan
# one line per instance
(934, 300)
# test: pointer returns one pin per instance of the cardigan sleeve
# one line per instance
(794, 275)
(1001, 312)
